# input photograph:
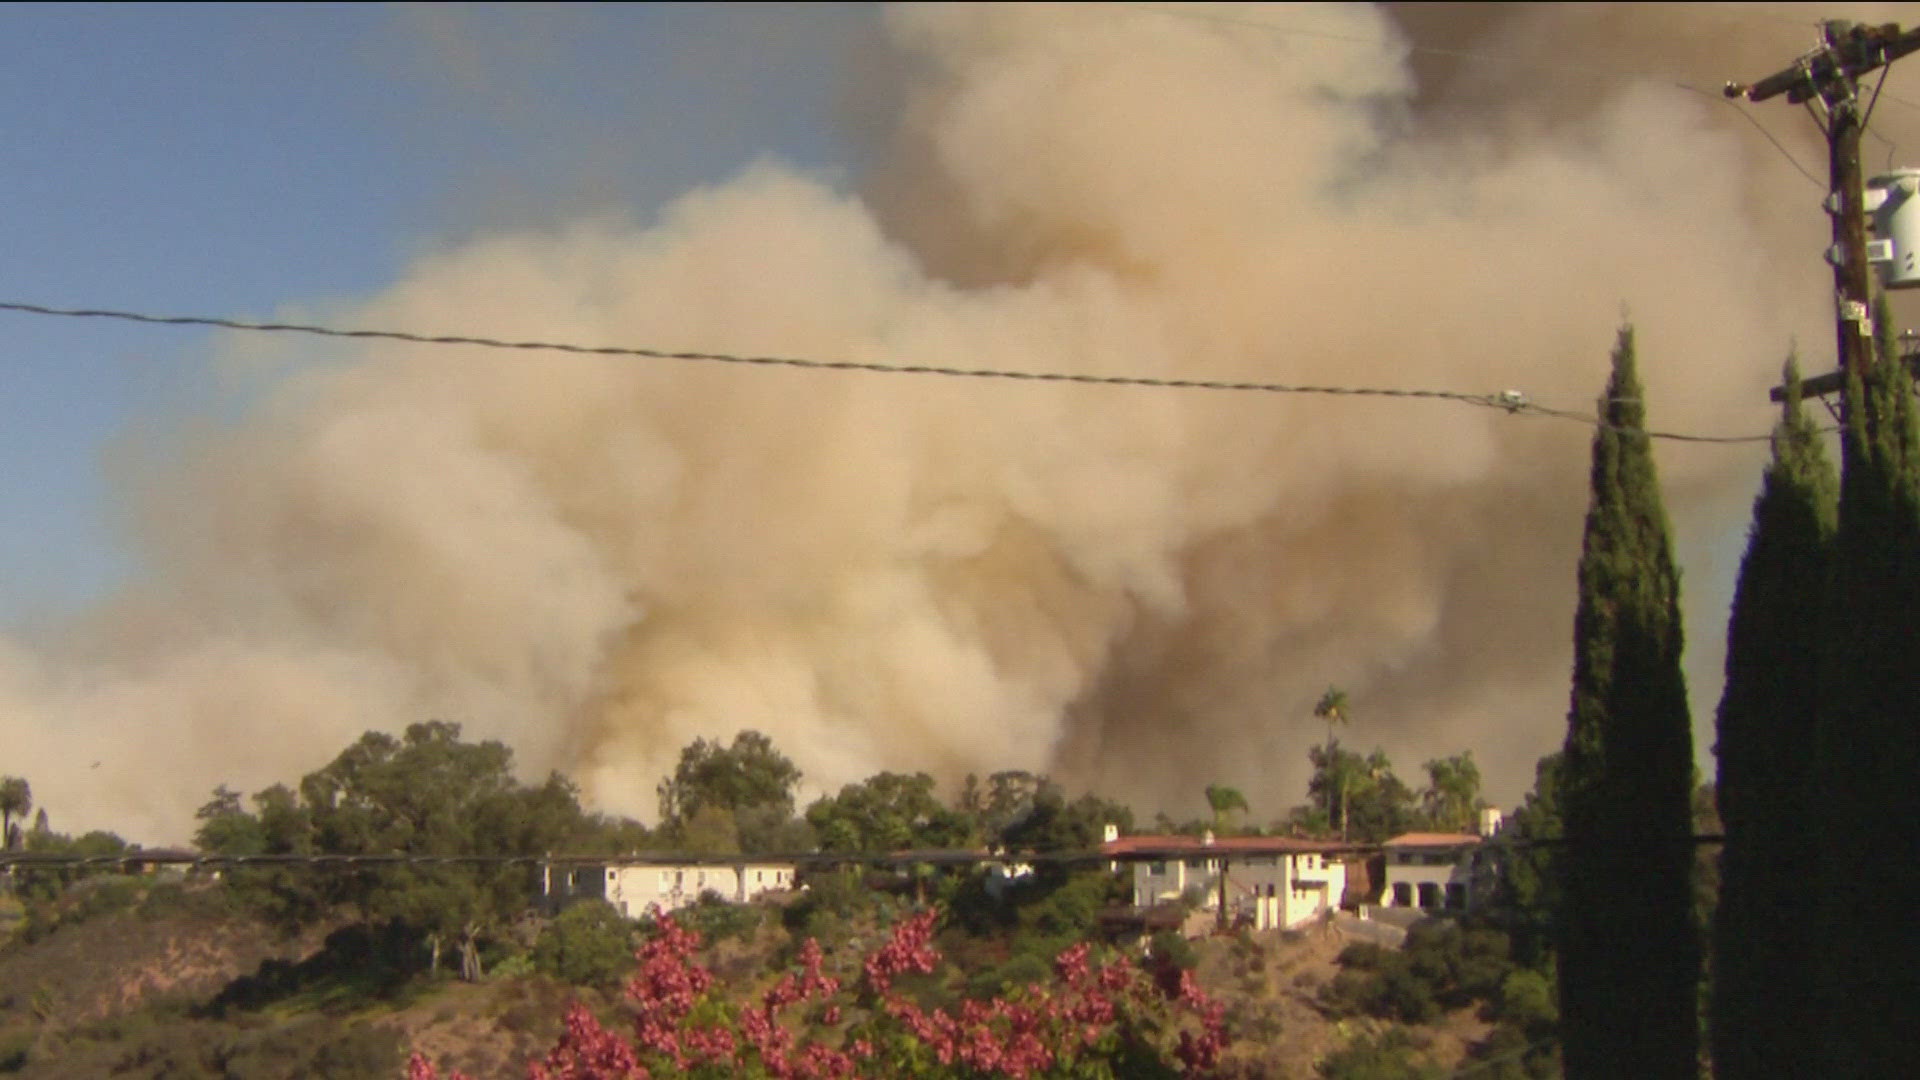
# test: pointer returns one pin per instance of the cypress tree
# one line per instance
(1867, 754)
(1629, 946)
(1763, 956)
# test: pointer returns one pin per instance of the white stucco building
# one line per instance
(1437, 871)
(1271, 882)
(634, 887)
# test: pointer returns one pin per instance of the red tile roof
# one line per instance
(1232, 845)
(1432, 839)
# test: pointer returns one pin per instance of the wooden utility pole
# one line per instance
(1827, 80)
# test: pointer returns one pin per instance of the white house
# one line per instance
(632, 888)
(1436, 871)
(1272, 882)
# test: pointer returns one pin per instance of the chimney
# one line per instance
(1490, 821)
(1208, 838)
(1110, 833)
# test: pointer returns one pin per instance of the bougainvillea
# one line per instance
(1093, 1020)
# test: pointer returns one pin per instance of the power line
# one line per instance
(28, 860)
(1509, 401)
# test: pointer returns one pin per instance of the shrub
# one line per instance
(1390, 1056)
(587, 945)
(1110, 1019)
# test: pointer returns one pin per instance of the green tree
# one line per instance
(1527, 868)
(1375, 803)
(226, 828)
(426, 792)
(1452, 799)
(1762, 963)
(711, 830)
(748, 773)
(1056, 824)
(1867, 741)
(588, 944)
(886, 812)
(1332, 707)
(1224, 800)
(1629, 955)
(16, 799)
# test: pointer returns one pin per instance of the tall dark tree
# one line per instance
(1762, 964)
(16, 798)
(1867, 747)
(1629, 955)
(1526, 864)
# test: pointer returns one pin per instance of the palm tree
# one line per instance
(1224, 800)
(1332, 708)
(15, 798)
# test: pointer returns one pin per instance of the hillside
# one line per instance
(139, 979)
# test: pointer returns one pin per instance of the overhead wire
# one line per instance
(1508, 401)
(29, 860)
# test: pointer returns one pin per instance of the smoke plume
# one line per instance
(1140, 590)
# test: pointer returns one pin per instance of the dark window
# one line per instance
(1429, 895)
(1456, 895)
(1403, 894)
(1158, 869)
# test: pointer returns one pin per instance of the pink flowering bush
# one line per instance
(1094, 1021)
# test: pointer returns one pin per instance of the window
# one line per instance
(663, 879)
(1402, 894)
(1196, 864)
(1158, 869)
(1429, 895)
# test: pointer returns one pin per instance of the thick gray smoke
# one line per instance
(1140, 590)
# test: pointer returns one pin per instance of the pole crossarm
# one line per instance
(1851, 51)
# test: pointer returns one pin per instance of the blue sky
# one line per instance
(232, 159)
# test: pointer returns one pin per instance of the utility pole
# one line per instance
(1826, 80)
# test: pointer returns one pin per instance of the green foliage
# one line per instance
(16, 798)
(748, 773)
(1373, 804)
(834, 899)
(1527, 874)
(886, 812)
(588, 944)
(426, 793)
(720, 920)
(1393, 1055)
(1442, 966)
(1629, 955)
(1526, 1000)
(1762, 963)
(1224, 800)
(1054, 824)
(286, 1050)
(1171, 948)
(1867, 741)
(359, 966)
(1452, 800)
